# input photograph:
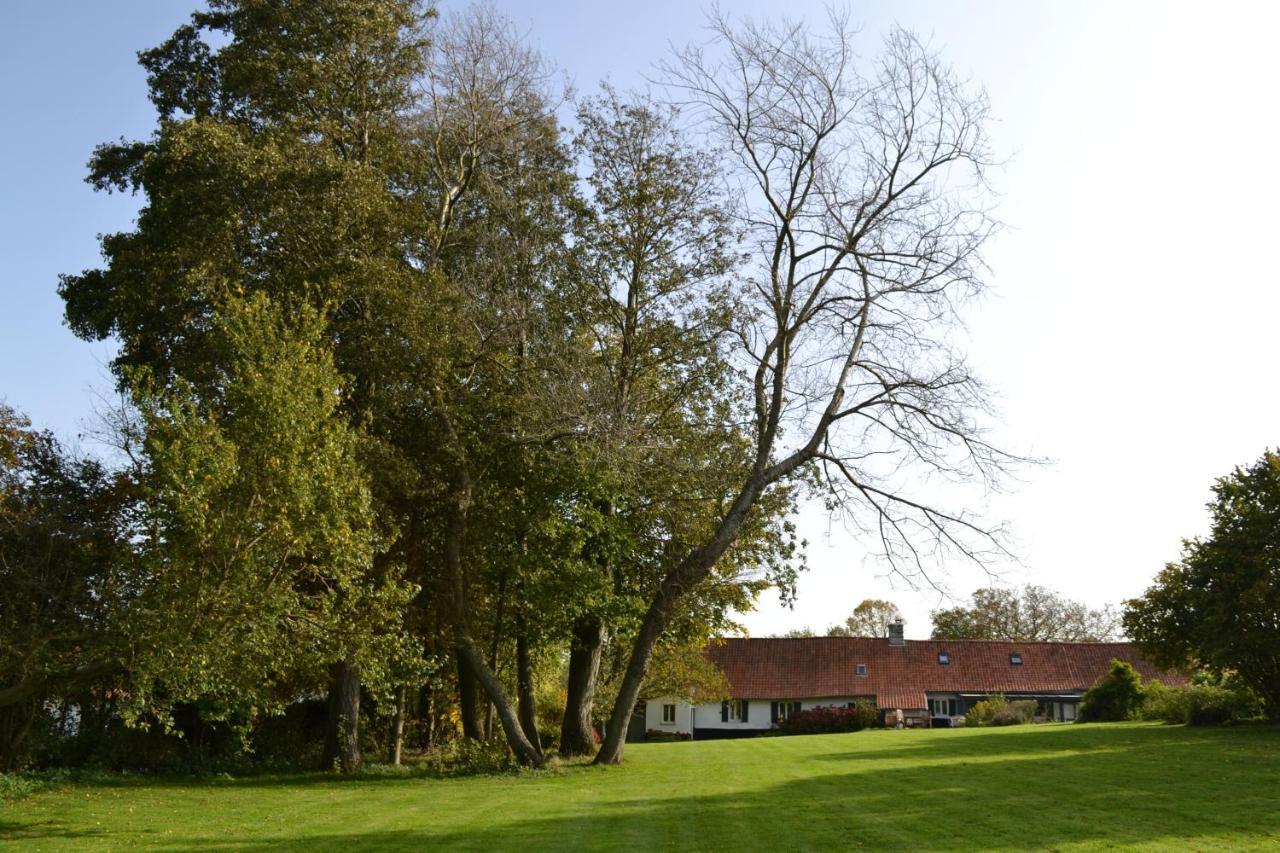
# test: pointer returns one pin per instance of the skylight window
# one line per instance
(861, 669)
(944, 658)
(1015, 659)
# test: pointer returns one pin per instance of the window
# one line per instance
(861, 670)
(734, 711)
(1015, 659)
(782, 711)
(944, 707)
(944, 658)
(668, 713)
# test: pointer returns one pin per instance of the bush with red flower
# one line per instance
(831, 719)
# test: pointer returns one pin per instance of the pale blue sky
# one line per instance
(1132, 332)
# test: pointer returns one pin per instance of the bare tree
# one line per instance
(863, 200)
(483, 86)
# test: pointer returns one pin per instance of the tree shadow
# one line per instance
(1118, 788)
(958, 743)
(1113, 786)
(11, 831)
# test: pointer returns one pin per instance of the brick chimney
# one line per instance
(895, 633)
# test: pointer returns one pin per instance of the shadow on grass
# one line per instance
(958, 743)
(270, 779)
(1024, 789)
(11, 831)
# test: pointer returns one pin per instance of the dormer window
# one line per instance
(944, 658)
(861, 670)
(1015, 659)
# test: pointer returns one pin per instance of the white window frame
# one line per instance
(860, 670)
(786, 709)
(735, 710)
(668, 714)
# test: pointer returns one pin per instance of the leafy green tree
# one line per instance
(1219, 606)
(500, 188)
(276, 167)
(870, 618)
(259, 560)
(683, 670)
(1118, 695)
(654, 247)
(1030, 614)
(65, 576)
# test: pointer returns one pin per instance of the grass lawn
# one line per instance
(1054, 787)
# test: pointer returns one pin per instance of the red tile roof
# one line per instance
(899, 676)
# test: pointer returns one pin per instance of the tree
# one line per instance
(1219, 606)
(654, 245)
(1115, 696)
(1030, 614)
(589, 371)
(870, 618)
(275, 167)
(863, 234)
(683, 670)
(498, 182)
(260, 541)
(64, 576)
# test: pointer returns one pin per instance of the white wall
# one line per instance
(682, 725)
(707, 714)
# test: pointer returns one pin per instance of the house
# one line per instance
(916, 682)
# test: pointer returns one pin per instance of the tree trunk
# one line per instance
(397, 726)
(691, 571)
(526, 752)
(493, 647)
(15, 725)
(576, 734)
(655, 621)
(427, 716)
(525, 693)
(342, 737)
(469, 701)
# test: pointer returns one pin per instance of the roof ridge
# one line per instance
(1002, 642)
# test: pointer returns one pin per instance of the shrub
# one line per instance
(15, 786)
(982, 713)
(466, 757)
(1208, 701)
(831, 719)
(1015, 713)
(1115, 696)
(1212, 705)
(660, 735)
(1168, 704)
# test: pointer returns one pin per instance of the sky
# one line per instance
(1131, 332)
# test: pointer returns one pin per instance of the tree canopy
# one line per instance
(1219, 605)
(1032, 613)
(429, 398)
(871, 618)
